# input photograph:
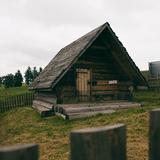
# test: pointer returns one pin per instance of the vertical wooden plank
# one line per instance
(154, 135)
(85, 87)
(105, 143)
(20, 152)
(83, 83)
(25, 102)
(21, 102)
(77, 85)
(3, 107)
(4, 104)
(18, 101)
(29, 102)
(0, 107)
(12, 101)
(90, 86)
(25, 99)
(32, 98)
(7, 104)
(28, 99)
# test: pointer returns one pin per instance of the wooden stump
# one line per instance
(154, 135)
(105, 143)
(20, 152)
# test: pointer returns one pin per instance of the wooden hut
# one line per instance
(94, 68)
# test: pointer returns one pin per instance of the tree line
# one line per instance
(16, 80)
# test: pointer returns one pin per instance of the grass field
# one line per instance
(7, 92)
(25, 126)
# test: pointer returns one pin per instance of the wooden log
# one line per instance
(49, 100)
(154, 135)
(44, 104)
(0, 108)
(44, 112)
(20, 152)
(105, 143)
(116, 106)
(72, 116)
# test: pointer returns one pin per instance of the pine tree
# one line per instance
(18, 79)
(28, 76)
(40, 70)
(8, 80)
(34, 72)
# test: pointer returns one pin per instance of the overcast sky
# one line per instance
(33, 31)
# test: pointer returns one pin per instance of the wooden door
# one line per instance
(83, 84)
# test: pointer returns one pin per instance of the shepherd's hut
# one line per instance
(96, 68)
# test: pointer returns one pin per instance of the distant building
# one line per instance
(154, 74)
(154, 69)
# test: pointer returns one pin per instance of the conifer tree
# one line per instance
(9, 80)
(28, 76)
(18, 79)
(35, 72)
(40, 69)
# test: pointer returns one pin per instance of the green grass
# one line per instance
(24, 125)
(7, 92)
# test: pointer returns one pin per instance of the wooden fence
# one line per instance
(16, 101)
(105, 143)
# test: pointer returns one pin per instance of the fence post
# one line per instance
(20, 152)
(154, 135)
(105, 143)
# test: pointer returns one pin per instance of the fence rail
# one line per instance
(22, 100)
(105, 143)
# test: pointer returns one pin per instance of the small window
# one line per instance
(112, 82)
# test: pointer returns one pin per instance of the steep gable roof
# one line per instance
(68, 55)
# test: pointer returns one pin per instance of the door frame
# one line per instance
(84, 83)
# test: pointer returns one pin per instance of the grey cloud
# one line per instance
(33, 31)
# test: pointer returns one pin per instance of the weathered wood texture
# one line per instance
(89, 79)
(74, 111)
(103, 55)
(54, 71)
(48, 97)
(154, 135)
(16, 101)
(20, 152)
(42, 109)
(44, 103)
(106, 143)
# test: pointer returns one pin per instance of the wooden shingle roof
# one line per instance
(68, 55)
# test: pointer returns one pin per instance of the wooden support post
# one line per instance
(105, 143)
(20, 152)
(154, 135)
